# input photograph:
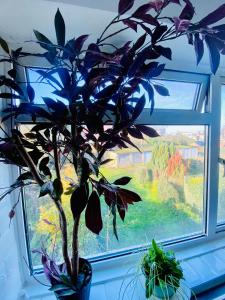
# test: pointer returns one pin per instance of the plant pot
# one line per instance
(163, 292)
(84, 291)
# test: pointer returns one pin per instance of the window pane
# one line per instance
(221, 201)
(182, 95)
(41, 87)
(169, 176)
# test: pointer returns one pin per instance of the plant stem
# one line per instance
(75, 250)
(63, 224)
(107, 27)
(55, 150)
(63, 227)
(111, 35)
(62, 216)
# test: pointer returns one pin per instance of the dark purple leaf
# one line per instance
(162, 90)
(60, 28)
(43, 40)
(146, 29)
(79, 42)
(149, 131)
(213, 17)
(93, 217)
(12, 73)
(128, 197)
(149, 19)
(181, 25)
(214, 54)
(122, 181)
(134, 132)
(13, 85)
(4, 45)
(142, 10)
(158, 32)
(41, 126)
(166, 52)
(113, 211)
(124, 6)
(175, 1)
(58, 188)
(9, 96)
(79, 199)
(121, 208)
(138, 108)
(139, 43)
(30, 93)
(188, 11)
(12, 214)
(64, 76)
(36, 155)
(153, 69)
(92, 55)
(190, 38)
(25, 176)
(199, 47)
(131, 24)
(110, 196)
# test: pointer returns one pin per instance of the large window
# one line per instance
(171, 174)
(168, 174)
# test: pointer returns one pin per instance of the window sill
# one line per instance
(203, 267)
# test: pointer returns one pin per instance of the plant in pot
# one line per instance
(162, 272)
(100, 90)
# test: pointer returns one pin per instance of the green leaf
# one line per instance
(68, 292)
(60, 28)
(65, 279)
(58, 287)
(4, 45)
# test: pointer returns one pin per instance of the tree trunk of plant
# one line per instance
(63, 224)
(75, 250)
(63, 228)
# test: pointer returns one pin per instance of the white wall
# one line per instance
(19, 18)
(10, 279)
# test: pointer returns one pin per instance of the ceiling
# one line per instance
(111, 5)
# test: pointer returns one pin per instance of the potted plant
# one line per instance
(96, 111)
(162, 272)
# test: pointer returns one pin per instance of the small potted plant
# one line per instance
(162, 272)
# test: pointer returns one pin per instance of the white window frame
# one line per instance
(213, 231)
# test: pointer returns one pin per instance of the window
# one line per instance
(171, 174)
(168, 174)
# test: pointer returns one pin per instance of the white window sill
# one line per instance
(203, 265)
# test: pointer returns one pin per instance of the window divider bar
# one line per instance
(213, 155)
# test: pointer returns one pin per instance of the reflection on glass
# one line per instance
(169, 176)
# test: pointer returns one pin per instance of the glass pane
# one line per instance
(182, 95)
(169, 176)
(41, 86)
(221, 201)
